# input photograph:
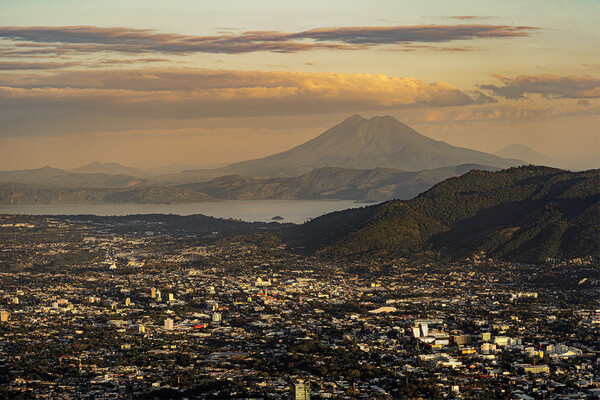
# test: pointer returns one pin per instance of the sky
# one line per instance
(149, 83)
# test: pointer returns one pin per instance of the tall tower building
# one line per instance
(169, 324)
(153, 292)
(301, 391)
(424, 330)
(4, 316)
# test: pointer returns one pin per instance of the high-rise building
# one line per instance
(168, 323)
(416, 331)
(216, 317)
(153, 292)
(171, 297)
(4, 316)
(462, 340)
(128, 301)
(142, 328)
(301, 391)
(424, 330)
(488, 348)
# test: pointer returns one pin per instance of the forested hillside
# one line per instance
(520, 214)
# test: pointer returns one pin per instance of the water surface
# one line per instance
(296, 211)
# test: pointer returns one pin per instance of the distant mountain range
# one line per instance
(524, 214)
(49, 177)
(106, 168)
(325, 183)
(113, 168)
(526, 154)
(368, 185)
(357, 143)
(365, 160)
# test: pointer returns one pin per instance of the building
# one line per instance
(533, 369)
(216, 317)
(488, 348)
(462, 340)
(153, 292)
(168, 323)
(260, 282)
(416, 331)
(301, 391)
(4, 316)
(424, 330)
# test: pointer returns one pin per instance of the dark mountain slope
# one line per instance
(520, 214)
(14, 193)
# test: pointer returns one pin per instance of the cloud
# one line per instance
(15, 66)
(508, 114)
(85, 39)
(482, 98)
(175, 93)
(471, 17)
(410, 34)
(584, 103)
(114, 61)
(549, 86)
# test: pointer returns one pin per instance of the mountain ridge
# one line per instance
(325, 183)
(360, 143)
(355, 143)
(523, 214)
(526, 154)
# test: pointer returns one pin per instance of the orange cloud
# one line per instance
(502, 113)
(201, 93)
(549, 86)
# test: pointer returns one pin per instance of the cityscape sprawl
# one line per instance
(95, 313)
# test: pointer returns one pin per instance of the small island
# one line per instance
(277, 218)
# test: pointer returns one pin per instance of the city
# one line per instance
(97, 314)
(296, 200)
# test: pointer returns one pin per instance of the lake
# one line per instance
(296, 211)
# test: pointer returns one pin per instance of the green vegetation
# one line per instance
(33, 194)
(524, 214)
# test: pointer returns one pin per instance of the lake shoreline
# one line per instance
(291, 211)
